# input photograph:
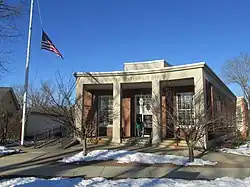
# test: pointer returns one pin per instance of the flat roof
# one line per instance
(155, 70)
(142, 71)
(146, 62)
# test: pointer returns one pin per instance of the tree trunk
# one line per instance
(84, 146)
(190, 153)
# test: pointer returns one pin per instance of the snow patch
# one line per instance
(124, 156)
(64, 182)
(241, 150)
(7, 151)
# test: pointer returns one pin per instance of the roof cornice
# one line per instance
(140, 72)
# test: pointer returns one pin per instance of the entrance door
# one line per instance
(143, 113)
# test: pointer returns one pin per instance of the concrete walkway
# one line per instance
(48, 171)
(44, 163)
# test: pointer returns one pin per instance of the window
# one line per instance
(208, 93)
(221, 106)
(105, 110)
(184, 107)
(218, 104)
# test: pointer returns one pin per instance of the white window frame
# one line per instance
(177, 104)
(109, 121)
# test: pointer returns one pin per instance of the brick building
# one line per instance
(120, 97)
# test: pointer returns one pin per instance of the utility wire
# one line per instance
(40, 17)
(39, 12)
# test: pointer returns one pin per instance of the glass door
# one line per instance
(143, 114)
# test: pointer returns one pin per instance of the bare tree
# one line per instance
(36, 96)
(8, 15)
(9, 125)
(237, 71)
(19, 92)
(3, 61)
(193, 124)
(9, 12)
(3, 126)
(65, 108)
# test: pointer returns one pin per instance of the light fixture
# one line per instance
(141, 105)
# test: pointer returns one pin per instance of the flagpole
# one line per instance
(27, 73)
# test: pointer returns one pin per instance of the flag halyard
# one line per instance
(48, 45)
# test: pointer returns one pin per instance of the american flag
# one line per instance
(48, 45)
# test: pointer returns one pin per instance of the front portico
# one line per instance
(125, 87)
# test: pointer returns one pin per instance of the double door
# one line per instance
(143, 112)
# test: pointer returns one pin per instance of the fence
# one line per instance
(49, 134)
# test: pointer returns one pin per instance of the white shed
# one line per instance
(40, 122)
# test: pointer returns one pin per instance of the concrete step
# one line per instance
(172, 146)
(103, 140)
(140, 141)
(173, 143)
(99, 141)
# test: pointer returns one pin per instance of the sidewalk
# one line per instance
(115, 172)
(43, 163)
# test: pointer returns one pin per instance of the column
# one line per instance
(199, 100)
(199, 87)
(116, 138)
(164, 115)
(79, 105)
(156, 112)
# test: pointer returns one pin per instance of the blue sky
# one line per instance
(101, 35)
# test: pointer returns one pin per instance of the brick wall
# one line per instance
(220, 106)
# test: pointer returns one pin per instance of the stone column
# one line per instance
(79, 105)
(156, 112)
(199, 84)
(199, 98)
(116, 135)
(164, 116)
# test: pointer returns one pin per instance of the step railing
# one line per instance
(68, 136)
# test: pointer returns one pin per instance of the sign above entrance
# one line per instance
(141, 77)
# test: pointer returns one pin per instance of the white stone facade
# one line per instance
(153, 74)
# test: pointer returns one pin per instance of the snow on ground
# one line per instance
(7, 151)
(124, 156)
(241, 150)
(79, 182)
(18, 143)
